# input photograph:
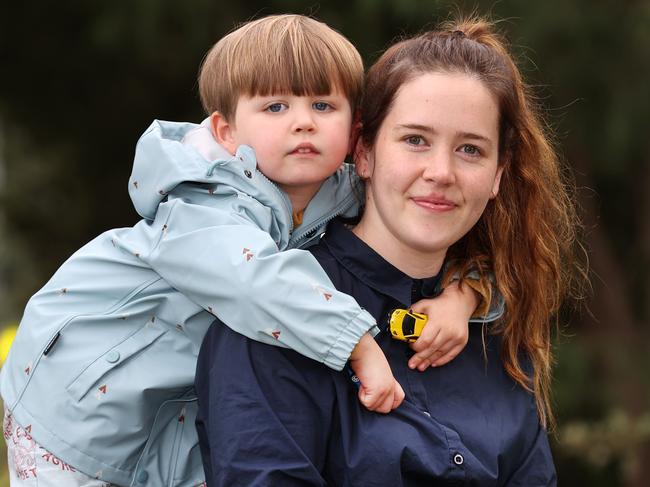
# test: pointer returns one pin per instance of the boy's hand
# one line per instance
(446, 332)
(379, 390)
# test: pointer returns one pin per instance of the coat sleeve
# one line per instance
(260, 425)
(222, 257)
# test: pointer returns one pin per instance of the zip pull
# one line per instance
(50, 345)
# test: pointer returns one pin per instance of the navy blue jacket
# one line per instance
(269, 416)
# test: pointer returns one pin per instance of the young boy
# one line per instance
(100, 377)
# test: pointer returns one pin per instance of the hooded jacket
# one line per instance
(101, 372)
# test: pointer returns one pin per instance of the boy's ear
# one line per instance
(363, 160)
(223, 132)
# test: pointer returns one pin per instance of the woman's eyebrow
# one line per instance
(429, 129)
(414, 126)
(473, 136)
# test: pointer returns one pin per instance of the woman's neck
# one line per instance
(412, 262)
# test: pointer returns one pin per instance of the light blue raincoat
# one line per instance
(102, 368)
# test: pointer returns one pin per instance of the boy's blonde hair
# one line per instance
(279, 54)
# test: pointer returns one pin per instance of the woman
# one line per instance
(456, 167)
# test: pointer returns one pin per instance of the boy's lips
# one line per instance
(304, 148)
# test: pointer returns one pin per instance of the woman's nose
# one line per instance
(439, 168)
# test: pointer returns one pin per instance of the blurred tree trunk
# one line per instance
(643, 472)
(644, 239)
(616, 327)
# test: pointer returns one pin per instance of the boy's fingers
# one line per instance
(430, 358)
(424, 365)
(367, 400)
(422, 343)
(428, 337)
(447, 357)
(385, 405)
(398, 396)
(422, 306)
(416, 360)
(379, 403)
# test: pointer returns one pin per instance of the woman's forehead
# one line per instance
(446, 101)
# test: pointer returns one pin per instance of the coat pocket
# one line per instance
(114, 357)
(171, 457)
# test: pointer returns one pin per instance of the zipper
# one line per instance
(274, 193)
(321, 222)
(285, 204)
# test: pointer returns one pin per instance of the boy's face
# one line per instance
(299, 141)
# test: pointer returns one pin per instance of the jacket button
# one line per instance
(248, 174)
(112, 356)
(458, 459)
(142, 476)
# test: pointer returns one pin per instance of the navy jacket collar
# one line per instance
(371, 268)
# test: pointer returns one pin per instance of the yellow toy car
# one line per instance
(405, 325)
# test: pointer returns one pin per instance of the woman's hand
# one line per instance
(379, 391)
(446, 332)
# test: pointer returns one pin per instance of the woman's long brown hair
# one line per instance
(528, 233)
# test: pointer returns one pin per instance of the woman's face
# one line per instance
(431, 171)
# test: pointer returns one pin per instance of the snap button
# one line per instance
(427, 413)
(112, 356)
(142, 476)
(458, 459)
(248, 173)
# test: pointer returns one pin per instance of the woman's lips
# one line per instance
(434, 203)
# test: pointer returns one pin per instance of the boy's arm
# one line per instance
(221, 258)
(378, 390)
(446, 332)
(491, 304)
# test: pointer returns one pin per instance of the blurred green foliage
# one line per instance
(81, 81)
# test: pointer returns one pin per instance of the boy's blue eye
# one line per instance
(275, 107)
(321, 106)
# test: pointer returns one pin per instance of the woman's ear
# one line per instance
(363, 160)
(223, 132)
(497, 182)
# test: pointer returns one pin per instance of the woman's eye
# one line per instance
(321, 106)
(470, 150)
(276, 107)
(415, 140)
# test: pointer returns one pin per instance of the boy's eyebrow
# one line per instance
(431, 130)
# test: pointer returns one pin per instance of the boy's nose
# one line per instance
(304, 121)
